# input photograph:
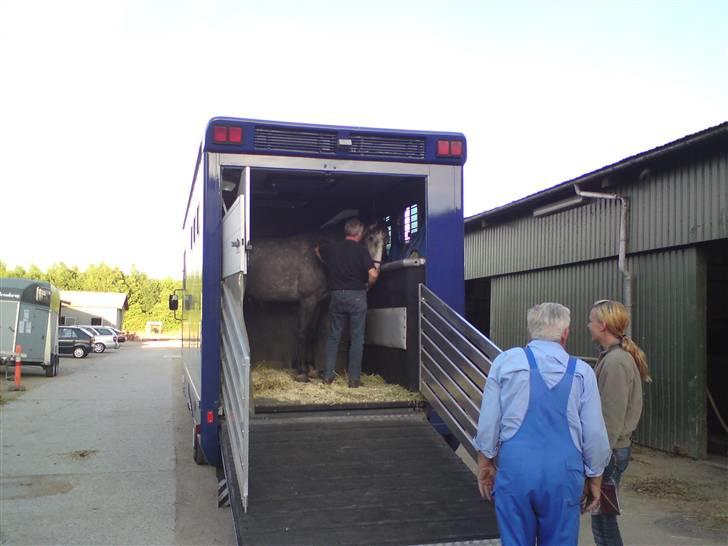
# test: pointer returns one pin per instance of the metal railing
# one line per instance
(236, 380)
(455, 360)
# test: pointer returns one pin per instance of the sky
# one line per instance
(104, 102)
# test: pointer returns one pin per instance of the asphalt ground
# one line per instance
(101, 454)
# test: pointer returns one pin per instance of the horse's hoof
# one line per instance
(301, 378)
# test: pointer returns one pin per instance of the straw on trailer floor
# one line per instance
(278, 386)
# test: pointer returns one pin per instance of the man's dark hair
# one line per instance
(353, 227)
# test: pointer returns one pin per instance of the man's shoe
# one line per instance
(354, 383)
(328, 380)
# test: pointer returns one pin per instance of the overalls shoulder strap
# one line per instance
(571, 366)
(531, 358)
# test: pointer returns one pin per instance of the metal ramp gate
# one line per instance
(235, 389)
(235, 356)
(455, 360)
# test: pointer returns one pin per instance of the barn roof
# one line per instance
(107, 300)
(715, 135)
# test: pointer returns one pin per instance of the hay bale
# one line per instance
(278, 386)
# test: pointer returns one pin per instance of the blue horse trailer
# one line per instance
(29, 311)
(263, 179)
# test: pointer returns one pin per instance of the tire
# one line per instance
(52, 369)
(79, 352)
(197, 453)
(99, 347)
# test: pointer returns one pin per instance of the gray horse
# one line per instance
(287, 270)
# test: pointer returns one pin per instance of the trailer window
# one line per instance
(411, 222)
(388, 223)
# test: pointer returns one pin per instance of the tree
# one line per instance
(102, 278)
(147, 296)
(17, 271)
(34, 273)
(64, 277)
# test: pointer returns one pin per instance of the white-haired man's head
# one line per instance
(549, 321)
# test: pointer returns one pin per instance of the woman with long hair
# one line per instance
(620, 371)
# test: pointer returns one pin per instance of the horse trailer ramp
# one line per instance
(358, 477)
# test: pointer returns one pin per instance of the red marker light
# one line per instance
(443, 147)
(210, 417)
(456, 148)
(220, 134)
(236, 135)
(450, 148)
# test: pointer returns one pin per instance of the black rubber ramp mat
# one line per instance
(374, 479)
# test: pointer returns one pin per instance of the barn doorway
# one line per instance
(477, 304)
(717, 348)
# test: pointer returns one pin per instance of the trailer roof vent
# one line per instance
(295, 141)
(386, 146)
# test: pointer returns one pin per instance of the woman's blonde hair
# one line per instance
(614, 315)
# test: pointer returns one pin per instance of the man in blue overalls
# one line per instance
(542, 416)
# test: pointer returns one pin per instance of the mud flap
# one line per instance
(234, 498)
(223, 495)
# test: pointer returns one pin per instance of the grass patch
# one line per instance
(669, 488)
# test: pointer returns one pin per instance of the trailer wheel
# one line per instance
(197, 453)
(52, 369)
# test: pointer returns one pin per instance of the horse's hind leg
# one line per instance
(311, 337)
(306, 308)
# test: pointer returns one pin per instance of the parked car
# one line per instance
(119, 334)
(104, 337)
(75, 341)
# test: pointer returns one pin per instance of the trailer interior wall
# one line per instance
(668, 323)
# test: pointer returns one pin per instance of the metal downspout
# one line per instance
(623, 225)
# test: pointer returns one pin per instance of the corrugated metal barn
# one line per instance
(558, 246)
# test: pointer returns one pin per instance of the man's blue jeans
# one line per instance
(346, 306)
(604, 526)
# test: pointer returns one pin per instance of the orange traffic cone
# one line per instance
(18, 370)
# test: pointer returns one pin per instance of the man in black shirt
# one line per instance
(351, 272)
